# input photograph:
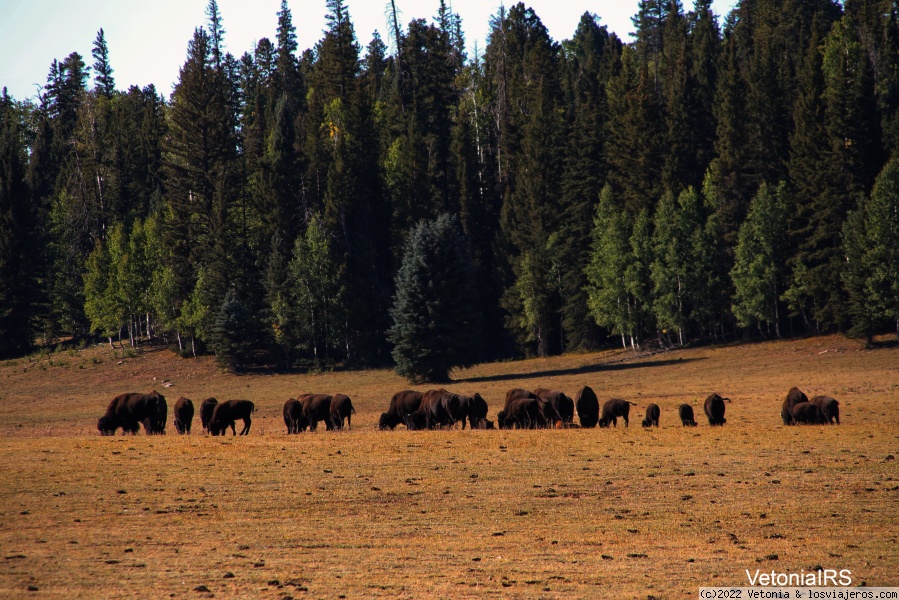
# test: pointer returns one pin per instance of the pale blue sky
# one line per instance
(148, 40)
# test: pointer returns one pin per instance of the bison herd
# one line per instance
(433, 409)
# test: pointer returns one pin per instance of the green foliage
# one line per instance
(435, 323)
(759, 272)
(233, 333)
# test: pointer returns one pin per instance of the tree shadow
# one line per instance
(598, 368)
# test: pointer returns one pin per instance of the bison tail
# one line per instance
(632, 403)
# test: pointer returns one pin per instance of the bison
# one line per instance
(293, 415)
(614, 408)
(316, 407)
(829, 407)
(794, 397)
(184, 414)
(341, 408)
(652, 415)
(227, 413)
(207, 407)
(403, 403)
(438, 408)
(714, 409)
(806, 413)
(557, 407)
(475, 409)
(521, 413)
(685, 412)
(587, 405)
(129, 410)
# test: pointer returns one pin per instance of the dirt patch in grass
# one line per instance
(625, 512)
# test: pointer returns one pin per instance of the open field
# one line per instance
(620, 513)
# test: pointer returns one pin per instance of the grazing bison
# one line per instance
(316, 407)
(829, 407)
(129, 410)
(714, 409)
(557, 407)
(403, 403)
(184, 414)
(515, 394)
(475, 409)
(652, 415)
(614, 408)
(207, 407)
(341, 408)
(794, 397)
(438, 408)
(806, 413)
(293, 416)
(685, 412)
(521, 413)
(227, 413)
(587, 405)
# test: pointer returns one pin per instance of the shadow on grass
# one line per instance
(598, 368)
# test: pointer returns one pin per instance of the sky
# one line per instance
(147, 40)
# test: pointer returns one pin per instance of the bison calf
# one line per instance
(806, 413)
(614, 408)
(685, 412)
(207, 407)
(829, 407)
(652, 415)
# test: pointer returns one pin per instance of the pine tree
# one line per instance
(590, 54)
(234, 333)
(105, 83)
(435, 324)
(216, 33)
(18, 235)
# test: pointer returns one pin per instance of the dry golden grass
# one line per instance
(621, 513)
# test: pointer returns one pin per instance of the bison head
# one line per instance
(107, 425)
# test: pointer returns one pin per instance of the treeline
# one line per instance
(712, 179)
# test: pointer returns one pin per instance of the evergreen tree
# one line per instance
(18, 235)
(105, 83)
(435, 323)
(234, 333)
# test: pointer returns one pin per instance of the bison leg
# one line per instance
(246, 426)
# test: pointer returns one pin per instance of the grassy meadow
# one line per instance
(618, 513)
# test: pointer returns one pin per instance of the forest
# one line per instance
(720, 177)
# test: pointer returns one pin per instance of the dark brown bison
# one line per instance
(587, 405)
(184, 414)
(806, 413)
(207, 407)
(316, 407)
(439, 408)
(714, 409)
(685, 412)
(130, 410)
(614, 408)
(652, 415)
(474, 408)
(293, 414)
(521, 413)
(403, 403)
(829, 407)
(341, 408)
(515, 394)
(227, 413)
(794, 397)
(557, 407)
